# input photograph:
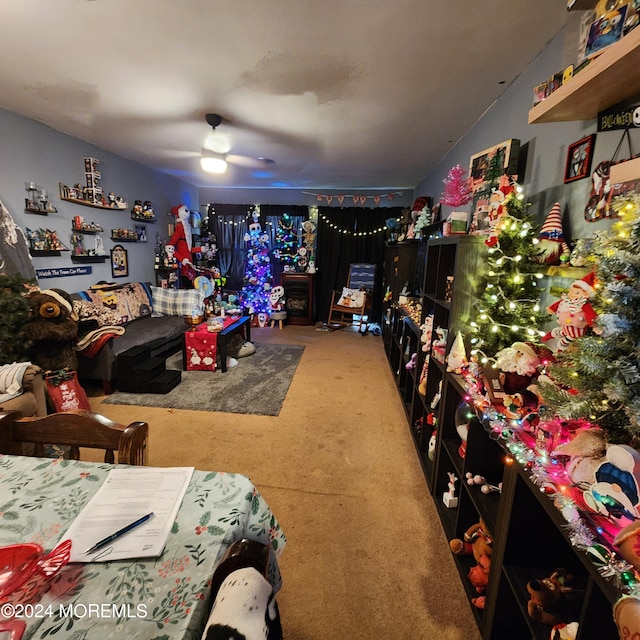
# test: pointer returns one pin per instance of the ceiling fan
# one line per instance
(216, 152)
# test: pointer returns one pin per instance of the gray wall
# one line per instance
(546, 144)
(33, 152)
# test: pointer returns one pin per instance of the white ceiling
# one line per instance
(342, 94)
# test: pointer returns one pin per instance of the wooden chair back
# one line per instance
(79, 428)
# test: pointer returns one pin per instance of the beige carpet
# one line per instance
(366, 556)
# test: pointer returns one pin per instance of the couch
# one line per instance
(115, 319)
(31, 400)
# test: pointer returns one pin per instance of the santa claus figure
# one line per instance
(574, 312)
(518, 365)
(181, 241)
(496, 208)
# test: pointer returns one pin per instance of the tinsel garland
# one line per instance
(579, 528)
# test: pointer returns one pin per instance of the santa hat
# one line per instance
(587, 284)
(175, 211)
(552, 227)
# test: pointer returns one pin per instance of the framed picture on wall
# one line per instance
(479, 163)
(503, 157)
(119, 262)
(579, 155)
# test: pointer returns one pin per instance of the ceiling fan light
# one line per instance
(213, 165)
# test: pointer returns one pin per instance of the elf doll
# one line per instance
(574, 312)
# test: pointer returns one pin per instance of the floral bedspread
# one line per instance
(155, 599)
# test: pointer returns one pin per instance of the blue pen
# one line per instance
(117, 534)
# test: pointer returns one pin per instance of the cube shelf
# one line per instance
(529, 539)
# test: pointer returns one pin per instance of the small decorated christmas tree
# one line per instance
(286, 241)
(508, 301)
(457, 191)
(598, 376)
(258, 277)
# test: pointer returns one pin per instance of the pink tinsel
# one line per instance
(457, 191)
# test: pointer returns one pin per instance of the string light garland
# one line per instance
(551, 478)
(508, 307)
(348, 232)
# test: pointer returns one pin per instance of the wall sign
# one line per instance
(62, 272)
(616, 119)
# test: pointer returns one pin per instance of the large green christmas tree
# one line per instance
(599, 375)
(508, 302)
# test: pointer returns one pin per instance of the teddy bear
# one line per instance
(52, 330)
(477, 541)
(554, 600)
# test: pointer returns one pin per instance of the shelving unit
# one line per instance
(530, 539)
(609, 79)
(399, 267)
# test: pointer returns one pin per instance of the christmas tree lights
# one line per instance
(258, 276)
(286, 241)
(508, 303)
(598, 376)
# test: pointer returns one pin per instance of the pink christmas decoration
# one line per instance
(457, 190)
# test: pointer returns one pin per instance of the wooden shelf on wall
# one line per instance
(46, 253)
(87, 258)
(561, 271)
(606, 81)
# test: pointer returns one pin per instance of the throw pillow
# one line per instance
(177, 302)
(351, 298)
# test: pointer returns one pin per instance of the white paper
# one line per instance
(126, 495)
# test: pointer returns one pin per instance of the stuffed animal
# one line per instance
(554, 600)
(519, 365)
(616, 492)
(587, 450)
(52, 329)
(477, 541)
(523, 406)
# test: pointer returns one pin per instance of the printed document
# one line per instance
(128, 494)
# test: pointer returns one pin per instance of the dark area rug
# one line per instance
(257, 385)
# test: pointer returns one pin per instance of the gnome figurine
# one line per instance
(457, 359)
(554, 249)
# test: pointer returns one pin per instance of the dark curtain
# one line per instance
(229, 223)
(339, 245)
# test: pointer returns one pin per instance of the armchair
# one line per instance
(32, 399)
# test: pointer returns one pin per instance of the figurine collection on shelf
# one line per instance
(44, 240)
(38, 200)
(91, 194)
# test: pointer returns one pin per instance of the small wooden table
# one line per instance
(220, 346)
(223, 336)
